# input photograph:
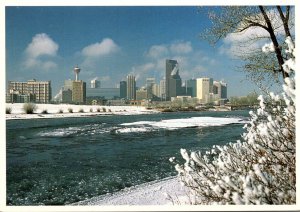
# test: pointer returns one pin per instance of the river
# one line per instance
(66, 160)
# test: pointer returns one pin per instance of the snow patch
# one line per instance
(172, 124)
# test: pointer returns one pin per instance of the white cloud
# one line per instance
(49, 65)
(40, 51)
(40, 45)
(157, 51)
(91, 54)
(181, 48)
(105, 47)
(173, 49)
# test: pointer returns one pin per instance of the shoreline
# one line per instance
(78, 111)
(167, 191)
(53, 111)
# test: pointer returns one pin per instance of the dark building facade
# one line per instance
(170, 66)
(191, 85)
(123, 89)
(175, 83)
(131, 87)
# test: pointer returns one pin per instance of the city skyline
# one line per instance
(136, 41)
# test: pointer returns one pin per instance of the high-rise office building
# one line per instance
(79, 92)
(156, 90)
(223, 90)
(66, 96)
(162, 86)
(204, 89)
(131, 87)
(191, 87)
(175, 83)
(95, 83)
(68, 84)
(220, 89)
(37, 91)
(66, 91)
(41, 90)
(123, 89)
(170, 66)
(149, 85)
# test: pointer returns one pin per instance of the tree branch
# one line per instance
(285, 20)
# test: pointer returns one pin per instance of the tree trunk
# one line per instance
(275, 42)
(285, 20)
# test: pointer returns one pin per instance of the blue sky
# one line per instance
(110, 42)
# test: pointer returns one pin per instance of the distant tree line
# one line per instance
(250, 99)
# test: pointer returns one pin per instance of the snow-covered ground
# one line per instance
(17, 111)
(165, 192)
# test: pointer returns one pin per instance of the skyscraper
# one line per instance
(95, 83)
(156, 90)
(149, 85)
(220, 89)
(191, 85)
(79, 92)
(170, 65)
(175, 83)
(163, 89)
(131, 87)
(204, 89)
(123, 89)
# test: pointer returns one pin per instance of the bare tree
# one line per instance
(269, 22)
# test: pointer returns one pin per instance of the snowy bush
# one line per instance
(45, 111)
(8, 110)
(259, 169)
(29, 108)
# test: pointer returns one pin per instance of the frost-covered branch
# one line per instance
(260, 169)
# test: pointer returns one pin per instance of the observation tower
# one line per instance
(76, 71)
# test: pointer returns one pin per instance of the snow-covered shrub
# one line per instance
(29, 108)
(45, 111)
(259, 169)
(8, 110)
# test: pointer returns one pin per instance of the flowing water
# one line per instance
(66, 160)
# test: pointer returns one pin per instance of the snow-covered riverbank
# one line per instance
(165, 192)
(53, 111)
